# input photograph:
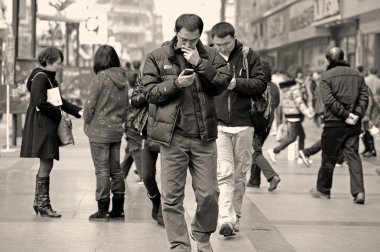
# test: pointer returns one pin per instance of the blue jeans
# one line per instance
(200, 158)
(109, 177)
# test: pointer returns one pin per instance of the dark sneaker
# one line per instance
(304, 158)
(359, 198)
(249, 184)
(227, 230)
(317, 194)
(273, 183)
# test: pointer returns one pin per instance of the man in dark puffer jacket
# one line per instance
(345, 96)
(182, 118)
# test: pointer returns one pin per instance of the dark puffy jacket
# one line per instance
(343, 91)
(161, 69)
(233, 106)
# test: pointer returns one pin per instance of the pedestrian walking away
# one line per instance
(262, 126)
(182, 118)
(345, 96)
(40, 137)
(235, 127)
(104, 114)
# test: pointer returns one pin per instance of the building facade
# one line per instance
(299, 32)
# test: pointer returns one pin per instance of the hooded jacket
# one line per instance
(160, 72)
(343, 91)
(106, 106)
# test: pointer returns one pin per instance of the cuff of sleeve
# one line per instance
(176, 85)
(199, 62)
(346, 114)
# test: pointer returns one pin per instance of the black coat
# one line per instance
(40, 139)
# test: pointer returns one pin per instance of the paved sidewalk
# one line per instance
(288, 219)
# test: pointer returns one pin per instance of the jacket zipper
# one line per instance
(229, 99)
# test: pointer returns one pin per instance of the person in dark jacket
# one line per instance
(262, 129)
(235, 127)
(149, 151)
(345, 96)
(40, 138)
(104, 114)
(182, 118)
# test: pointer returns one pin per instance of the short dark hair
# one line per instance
(128, 64)
(49, 56)
(373, 71)
(267, 70)
(105, 57)
(360, 68)
(222, 30)
(190, 22)
(334, 54)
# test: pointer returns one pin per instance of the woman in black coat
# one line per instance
(40, 138)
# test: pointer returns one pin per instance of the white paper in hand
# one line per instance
(54, 96)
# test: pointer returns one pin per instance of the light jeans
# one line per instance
(234, 160)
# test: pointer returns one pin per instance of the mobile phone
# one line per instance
(188, 71)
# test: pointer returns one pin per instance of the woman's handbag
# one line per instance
(65, 131)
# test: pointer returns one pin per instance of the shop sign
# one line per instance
(277, 29)
(325, 8)
(301, 15)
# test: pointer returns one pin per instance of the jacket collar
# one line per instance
(337, 63)
(172, 51)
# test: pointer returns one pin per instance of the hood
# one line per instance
(118, 75)
(50, 74)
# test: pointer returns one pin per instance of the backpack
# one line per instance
(261, 105)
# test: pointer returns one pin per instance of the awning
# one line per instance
(329, 21)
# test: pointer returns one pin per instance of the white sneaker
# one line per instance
(272, 155)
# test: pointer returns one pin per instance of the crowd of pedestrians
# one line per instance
(195, 106)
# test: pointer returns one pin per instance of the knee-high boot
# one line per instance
(35, 202)
(44, 207)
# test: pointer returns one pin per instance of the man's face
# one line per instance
(224, 45)
(187, 38)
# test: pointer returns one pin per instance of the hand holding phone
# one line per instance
(188, 71)
(185, 78)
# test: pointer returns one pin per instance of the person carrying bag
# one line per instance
(40, 136)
